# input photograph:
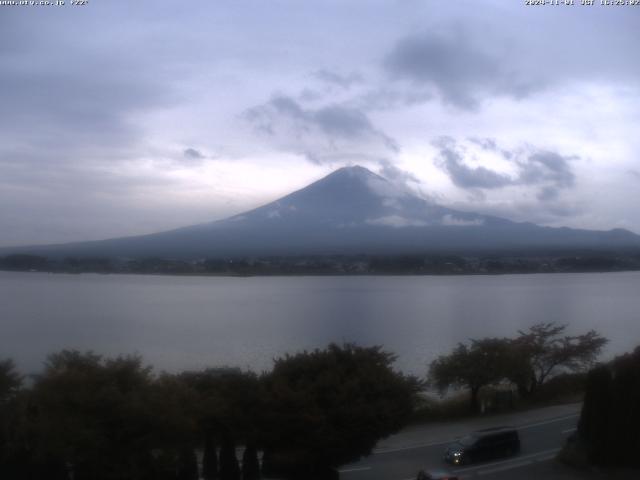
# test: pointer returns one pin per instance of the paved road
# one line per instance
(542, 433)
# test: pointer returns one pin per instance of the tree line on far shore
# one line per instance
(357, 264)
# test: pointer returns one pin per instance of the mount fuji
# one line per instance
(350, 211)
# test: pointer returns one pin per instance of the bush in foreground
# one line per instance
(89, 417)
(609, 428)
(330, 407)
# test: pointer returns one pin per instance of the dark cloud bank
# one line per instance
(456, 67)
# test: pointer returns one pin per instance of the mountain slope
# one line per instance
(350, 211)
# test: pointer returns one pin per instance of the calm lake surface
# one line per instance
(193, 322)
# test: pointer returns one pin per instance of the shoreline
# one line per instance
(327, 274)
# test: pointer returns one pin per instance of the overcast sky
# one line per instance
(120, 117)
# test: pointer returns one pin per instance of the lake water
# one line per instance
(193, 322)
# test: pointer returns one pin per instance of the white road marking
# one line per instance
(569, 430)
(355, 469)
(505, 467)
(546, 422)
(412, 447)
(546, 458)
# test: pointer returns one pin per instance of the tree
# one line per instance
(473, 366)
(229, 408)
(594, 420)
(543, 350)
(610, 419)
(624, 438)
(95, 414)
(10, 383)
(329, 407)
(229, 467)
(187, 464)
(209, 458)
(250, 463)
(10, 380)
(21, 262)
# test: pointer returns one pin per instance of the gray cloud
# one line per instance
(310, 95)
(467, 62)
(406, 180)
(452, 162)
(547, 194)
(491, 145)
(79, 92)
(485, 143)
(549, 171)
(547, 167)
(456, 66)
(525, 210)
(193, 154)
(331, 130)
(340, 121)
(48, 109)
(342, 81)
(387, 98)
(394, 173)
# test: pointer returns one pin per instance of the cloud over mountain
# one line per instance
(548, 171)
(319, 133)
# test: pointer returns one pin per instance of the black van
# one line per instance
(482, 445)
